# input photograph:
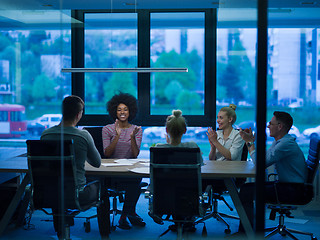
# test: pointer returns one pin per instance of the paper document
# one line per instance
(126, 161)
(141, 170)
(115, 164)
(146, 164)
(144, 160)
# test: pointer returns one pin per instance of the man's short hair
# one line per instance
(71, 106)
(285, 118)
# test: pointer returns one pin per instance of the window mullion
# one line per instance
(143, 61)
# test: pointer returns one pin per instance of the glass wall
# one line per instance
(33, 49)
(292, 79)
(36, 44)
(236, 68)
(293, 75)
(236, 63)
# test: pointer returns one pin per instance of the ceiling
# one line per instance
(282, 13)
(149, 4)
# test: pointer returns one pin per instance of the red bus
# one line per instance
(12, 120)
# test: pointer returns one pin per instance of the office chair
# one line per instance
(217, 194)
(284, 208)
(175, 192)
(96, 133)
(113, 190)
(52, 170)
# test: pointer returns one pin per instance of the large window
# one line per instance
(110, 42)
(146, 38)
(236, 79)
(177, 40)
(236, 58)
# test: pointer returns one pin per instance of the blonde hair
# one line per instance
(230, 112)
(176, 124)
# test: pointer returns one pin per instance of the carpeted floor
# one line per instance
(306, 218)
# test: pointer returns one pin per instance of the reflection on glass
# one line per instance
(292, 77)
(177, 40)
(33, 49)
(110, 42)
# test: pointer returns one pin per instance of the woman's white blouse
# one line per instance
(234, 143)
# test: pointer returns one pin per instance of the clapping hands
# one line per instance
(117, 126)
(135, 131)
(212, 135)
(247, 135)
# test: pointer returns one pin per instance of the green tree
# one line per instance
(43, 89)
(91, 87)
(246, 72)
(102, 52)
(35, 41)
(171, 91)
(119, 82)
(231, 83)
(9, 53)
(194, 62)
(221, 68)
(98, 56)
(61, 45)
(30, 69)
(5, 41)
(188, 102)
(172, 59)
(238, 74)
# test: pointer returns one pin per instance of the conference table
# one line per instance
(226, 170)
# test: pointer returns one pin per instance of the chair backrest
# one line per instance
(96, 133)
(244, 157)
(313, 158)
(175, 181)
(52, 170)
(305, 191)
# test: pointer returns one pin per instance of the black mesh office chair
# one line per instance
(175, 192)
(115, 192)
(96, 133)
(217, 194)
(284, 208)
(51, 166)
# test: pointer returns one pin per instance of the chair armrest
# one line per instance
(93, 182)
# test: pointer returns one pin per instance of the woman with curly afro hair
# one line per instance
(122, 140)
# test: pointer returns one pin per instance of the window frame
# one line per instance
(144, 118)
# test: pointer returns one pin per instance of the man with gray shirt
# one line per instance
(85, 150)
